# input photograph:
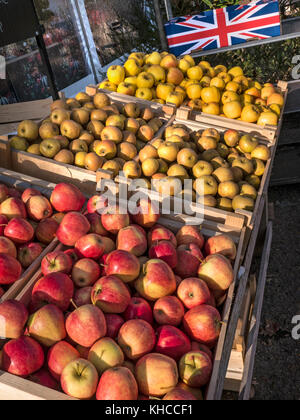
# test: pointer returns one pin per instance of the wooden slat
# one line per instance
(25, 111)
(245, 388)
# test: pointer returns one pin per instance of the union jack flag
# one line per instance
(224, 27)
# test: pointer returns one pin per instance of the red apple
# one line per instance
(22, 356)
(156, 374)
(56, 262)
(132, 239)
(156, 281)
(83, 296)
(43, 378)
(109, 245)
(96, 224)
(28, 253)
(139, 308)
(117, 384)
(115, 219)
(202, 347)
(168, 311)
(1, 292)
(3, 223)
(47, 325)
(72, 228)
(19, 231)
(189, 260)
(7, 247)
(85, 272)
(28, 193)
(147, 213)
(136, 338)
(111, 295)
(4, 193)
(178, 280)
(83, 351)
(123, 265)
(73, 254)
(114, 323)
(160, 233)
(13, 207)
(96, 204)
(193, 292)
(106, 354)
(10, 269)
(55, 288)
(13, 318)
(203, 324)
(46, 230)
(221, 244)
(179, 394)
(67, 198)
(217, 272)
(39, 208)
(13, 192)
(195, 369)
(172, 342)
(86, 325)
(79, 379)
(90, 246)
(190, 235)
(59, 356)
(164, 250)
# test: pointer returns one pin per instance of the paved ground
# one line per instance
(277, 364)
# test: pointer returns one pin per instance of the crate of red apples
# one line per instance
(127, 306)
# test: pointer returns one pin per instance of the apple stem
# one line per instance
(74, 304)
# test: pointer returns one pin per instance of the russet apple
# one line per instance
(79, 379)
(48, 130)
(243, 203)
(228, 189)
(203, 324)
(64, 156)
(195, 368)
(148, 374)
(86, 325)
(117, 383)
(136, 338)
(95, 128)
(168, 311)
(261, 152)
(47, 325)
(123, 265)
(22, 356)
(55, 288)
(110, 294)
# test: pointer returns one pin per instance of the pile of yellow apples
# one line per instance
(89, 132)
(162, 78)
(226, 168)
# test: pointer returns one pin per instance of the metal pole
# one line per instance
(169, 10)
(160, 25)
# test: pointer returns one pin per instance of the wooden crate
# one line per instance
(31, 391)
(56, 172)
(267, 132)
(21, 182)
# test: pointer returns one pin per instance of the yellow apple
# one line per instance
(232, 109)
(267, 118)
(144, 93)
(195, 73)
(175, 98)
(107, 85)
(236, 71)
(163, 90)
(158, 73)
(210, 94)
(184, 65)
(194, 91)
(145, 80)
(250, 114)
(116, 74)
(132, 67)
(218, 82)
(153, 59)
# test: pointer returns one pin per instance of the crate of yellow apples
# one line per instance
(219, 91)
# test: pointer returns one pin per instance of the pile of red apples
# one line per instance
(28, 223)
(125, 308)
